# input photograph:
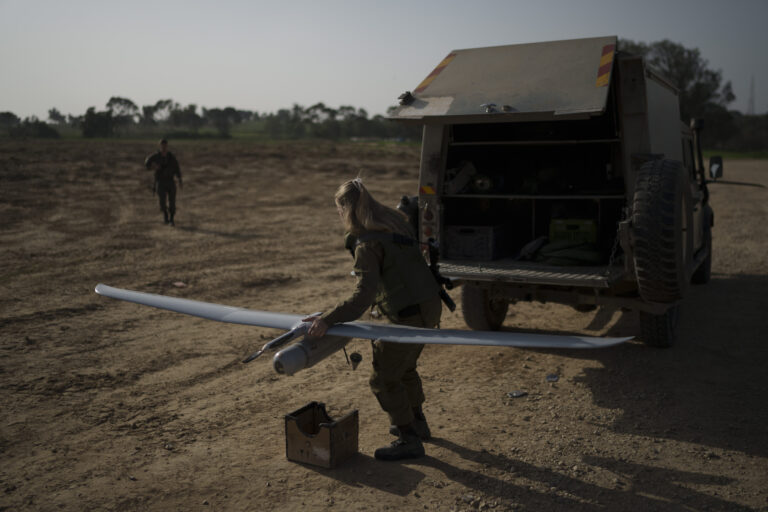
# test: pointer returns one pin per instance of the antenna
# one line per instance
(751, 103)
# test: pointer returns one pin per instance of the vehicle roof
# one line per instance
(539, 80)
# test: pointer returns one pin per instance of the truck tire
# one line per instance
(659, 330)
(662, 224)
(702, 274)
(481, 312)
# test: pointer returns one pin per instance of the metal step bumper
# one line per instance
(512, 271)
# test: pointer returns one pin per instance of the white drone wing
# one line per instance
(207, 310)
(366, 330)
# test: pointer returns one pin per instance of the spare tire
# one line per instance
(662, 228)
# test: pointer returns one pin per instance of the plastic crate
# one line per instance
(313, 437)
(473, 242)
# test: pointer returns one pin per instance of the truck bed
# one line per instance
(513, 271)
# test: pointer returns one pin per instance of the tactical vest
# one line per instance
(405, 278)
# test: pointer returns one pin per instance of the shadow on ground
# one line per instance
(710, 388)
(638, 486)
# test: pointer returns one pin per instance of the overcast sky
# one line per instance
(262, 56)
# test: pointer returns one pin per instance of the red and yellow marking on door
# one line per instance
(423, 85)
(606, 61)
(426, 190)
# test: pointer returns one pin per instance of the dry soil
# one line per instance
(106, 405)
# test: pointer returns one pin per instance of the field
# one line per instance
(106, 405)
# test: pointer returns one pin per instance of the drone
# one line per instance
(309, 350)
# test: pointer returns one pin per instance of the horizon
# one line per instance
(261, 57)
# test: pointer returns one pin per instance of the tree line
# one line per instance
(122, 117)
(703, 95)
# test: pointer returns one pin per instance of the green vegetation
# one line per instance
(703, 95)
(122, 118)
(30, 127)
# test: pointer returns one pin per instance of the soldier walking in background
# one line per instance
(166, 167)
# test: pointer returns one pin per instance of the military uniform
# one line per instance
(396, 278)
(167, 168)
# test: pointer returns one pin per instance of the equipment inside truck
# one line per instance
(510, 184)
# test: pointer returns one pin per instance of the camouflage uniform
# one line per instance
(167, 168)
(398, 280)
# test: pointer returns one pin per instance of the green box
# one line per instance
(573, 230)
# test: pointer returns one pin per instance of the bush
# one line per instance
(34, 129)
(98, 124)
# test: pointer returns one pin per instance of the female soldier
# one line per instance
(392, 274)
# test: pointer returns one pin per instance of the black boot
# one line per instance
(165, 217)
(406, 446)
(172, 224)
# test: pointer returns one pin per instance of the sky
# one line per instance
(266, 55)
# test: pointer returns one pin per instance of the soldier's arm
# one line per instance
(368, 258)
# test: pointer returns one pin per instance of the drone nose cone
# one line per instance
(290, 360)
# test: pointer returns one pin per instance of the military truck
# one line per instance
(561, 171)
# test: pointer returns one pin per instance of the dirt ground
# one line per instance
(106, 405)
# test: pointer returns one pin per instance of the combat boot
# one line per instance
(406, 446)
(172, 224)
(165, 217)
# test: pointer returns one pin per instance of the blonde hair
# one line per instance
(360, 212)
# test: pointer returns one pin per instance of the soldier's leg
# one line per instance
(390, 362)
(162, 192)
(428, 317)
(172, 201)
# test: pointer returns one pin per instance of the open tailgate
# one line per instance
(537, 81)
